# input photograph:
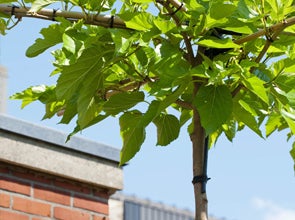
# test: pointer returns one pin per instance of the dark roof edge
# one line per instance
(56, 137)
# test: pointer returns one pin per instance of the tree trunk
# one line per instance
(198, 141)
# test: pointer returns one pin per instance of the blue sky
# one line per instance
(251, 178)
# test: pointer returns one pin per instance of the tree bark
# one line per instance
(198, 141)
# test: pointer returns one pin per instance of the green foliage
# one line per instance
(214, 104)
(163, 59)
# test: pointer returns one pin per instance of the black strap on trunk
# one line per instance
(203, 178)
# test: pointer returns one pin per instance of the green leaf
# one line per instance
(30, 95)
(229, 130)
(194, 6)
(7, 1)
(124, 42)
(239, 26)
(133, 134)
(3, 26)
(157, 107)
(214, 104)
(185, 116)
(168, 128)
(142, 1)
(70, 111)
(39, 4)
(96, 120)
(256, 86)
(273, 123)
(285, 81)
(289, 117)
(141, 21)
(122, 101)
(218, 43)
(292, 152)
(72, 78)
(52, 36)
(241, 115)
(163, 25)
(219, 10)
(52, 108)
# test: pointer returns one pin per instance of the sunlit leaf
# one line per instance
(241, 115)
(273, 122)
(39, 4)
(219, 10)
(122, 101)
(138, 21)
(256, 86)
(290, 119)
(218, 43)
(214, 104)
(52, 35)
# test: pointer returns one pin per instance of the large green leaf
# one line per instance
(52, 36)
(122, 101)
(141, 21)
(214, 104)
(217, 43)
(89, 64)
(133, 134)
(241, 115)
(87, 105)
(167, 129)
(257, 86)
(219, 10)
(163, 25)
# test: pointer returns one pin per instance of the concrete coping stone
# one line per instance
(55, 137)
(43, 149)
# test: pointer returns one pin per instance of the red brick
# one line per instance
(76, 187)
(32, 176)
(4, 200)
(52, 195)
(69, 214)
(7, 215)
(42, 218)
(30, 206)
(15, 185)
(98, 217)
(91, 204)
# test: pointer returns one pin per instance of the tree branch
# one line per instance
(50, 14)
(269, 41)
(184, 104)
(93, 19)
(115, 22)
(274, 28)
(190, 52)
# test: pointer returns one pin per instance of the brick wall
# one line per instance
(29, 195)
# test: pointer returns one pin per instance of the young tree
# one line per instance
(222, 65)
